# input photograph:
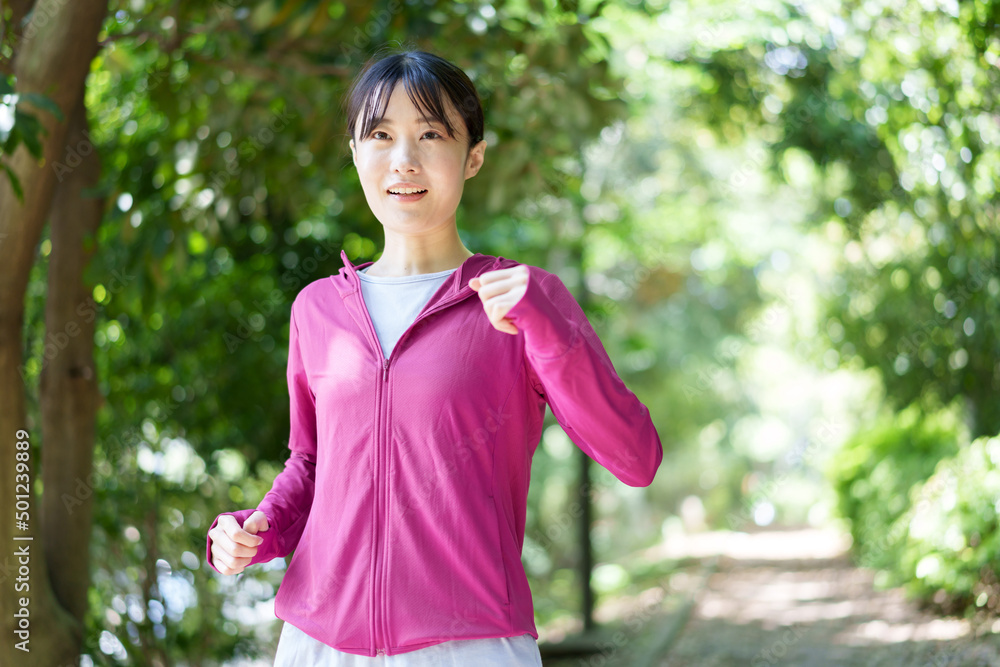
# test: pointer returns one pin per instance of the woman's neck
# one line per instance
(410, 259)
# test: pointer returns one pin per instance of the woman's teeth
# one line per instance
(406, 191)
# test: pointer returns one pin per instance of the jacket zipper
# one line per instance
(379, 616)
(377, 606)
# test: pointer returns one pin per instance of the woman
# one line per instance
(415, 410)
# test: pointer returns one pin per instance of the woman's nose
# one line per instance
(404, 157)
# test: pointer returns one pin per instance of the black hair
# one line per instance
(425, 77)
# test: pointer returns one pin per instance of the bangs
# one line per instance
(434, 86)
(423, 90)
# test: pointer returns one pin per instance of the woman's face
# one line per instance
(412, 172)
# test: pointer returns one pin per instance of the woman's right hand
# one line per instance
(233, 547)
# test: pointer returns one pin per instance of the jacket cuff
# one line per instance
(547, 333)
(266, 550)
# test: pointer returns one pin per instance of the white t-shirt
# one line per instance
(395, 301)
(393, 304)
(297, 649)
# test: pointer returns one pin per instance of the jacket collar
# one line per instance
(347, 281)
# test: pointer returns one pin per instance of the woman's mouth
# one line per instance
(406, 194)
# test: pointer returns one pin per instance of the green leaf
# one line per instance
(14, 183)
(30, 131)
(43, 102)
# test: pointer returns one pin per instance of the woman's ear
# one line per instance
(354, 153)
(474, 162)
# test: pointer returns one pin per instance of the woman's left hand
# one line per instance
(499, 291)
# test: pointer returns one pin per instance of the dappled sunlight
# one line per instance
(772, 613)
(935, 629)
(771, 545)
(793, 597)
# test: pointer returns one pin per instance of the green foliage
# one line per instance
(874, 472)
(25, 127)
(899, 124)
(677, 164)
(952, 535)
(892, 134)
(923, 506)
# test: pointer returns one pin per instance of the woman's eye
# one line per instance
(433, 134)
(379, 134)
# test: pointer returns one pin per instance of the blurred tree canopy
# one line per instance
(886, 111)
(730, 186)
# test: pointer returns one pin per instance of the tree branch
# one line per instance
(292, 60)
(19, 10)
(169, 42)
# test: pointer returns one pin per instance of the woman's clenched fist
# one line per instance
(499, 291)
(233, 547)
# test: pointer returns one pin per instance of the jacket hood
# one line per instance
(347, 280)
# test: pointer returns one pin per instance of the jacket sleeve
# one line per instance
(287, 504)
(588, 398)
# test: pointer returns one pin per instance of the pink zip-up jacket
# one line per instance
(405, 492)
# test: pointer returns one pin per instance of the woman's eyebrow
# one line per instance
(422, 119)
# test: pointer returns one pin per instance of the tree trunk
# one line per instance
(52, 57)
(69, 396)
(584, 482)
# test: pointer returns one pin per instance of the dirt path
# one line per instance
(785, 598)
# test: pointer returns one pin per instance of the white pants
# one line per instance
(297, 649)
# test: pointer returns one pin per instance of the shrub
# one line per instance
(951, 533)
(875, 471)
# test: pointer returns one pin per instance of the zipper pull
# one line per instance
(385, 370)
